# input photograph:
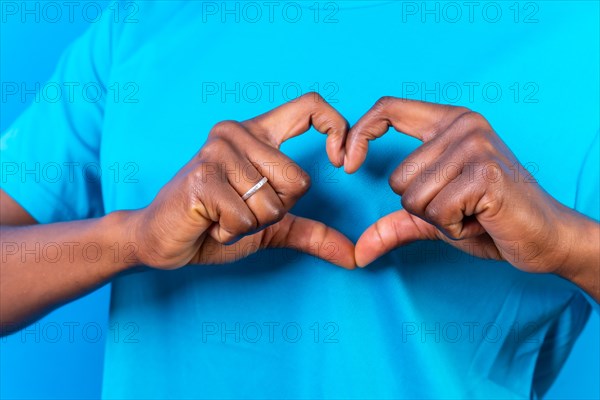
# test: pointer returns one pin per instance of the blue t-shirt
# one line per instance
(424, 321)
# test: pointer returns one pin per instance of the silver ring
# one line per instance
(254, 188)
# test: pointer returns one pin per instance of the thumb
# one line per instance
(312, 237)
(394, 230)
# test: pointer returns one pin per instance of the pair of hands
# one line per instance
(462, 186)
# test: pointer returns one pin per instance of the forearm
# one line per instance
(44, 266)
(582, 263)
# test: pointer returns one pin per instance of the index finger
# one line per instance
(419, 119)
(296, 117)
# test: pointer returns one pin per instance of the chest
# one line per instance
(171, 87)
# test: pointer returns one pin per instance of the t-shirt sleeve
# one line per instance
(50, 154)
(587, 199)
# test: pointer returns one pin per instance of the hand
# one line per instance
(197, 216)
(464, 186)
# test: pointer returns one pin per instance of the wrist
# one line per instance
(119, 237)
(580, 263)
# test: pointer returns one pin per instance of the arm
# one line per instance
(464, 186)
(193, 219)
(45, 266)
(582, 262)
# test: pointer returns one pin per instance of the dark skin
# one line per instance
(191, 221)
(465, 187)
(199, 213)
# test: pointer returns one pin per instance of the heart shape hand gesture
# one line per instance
(201, 216)
(463, 186)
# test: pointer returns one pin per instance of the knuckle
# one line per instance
(225, 125)
(193, 185)
(237, 222)
(313, 97)
(215, 148)
(245, 224)
(226, 237)
(224, 128)
(401, 176)
(298, 186)
(461, 109)
(396, 182)
(433, 214)
(205, 174)
(275, 213)
(477, 143)
(383, 103)
(410, 203)
(304, 183)
(452, 230)
(492, 172)
(473, 119)
(309, 100)
(318, 233)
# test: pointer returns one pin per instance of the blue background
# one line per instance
(72, 367)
